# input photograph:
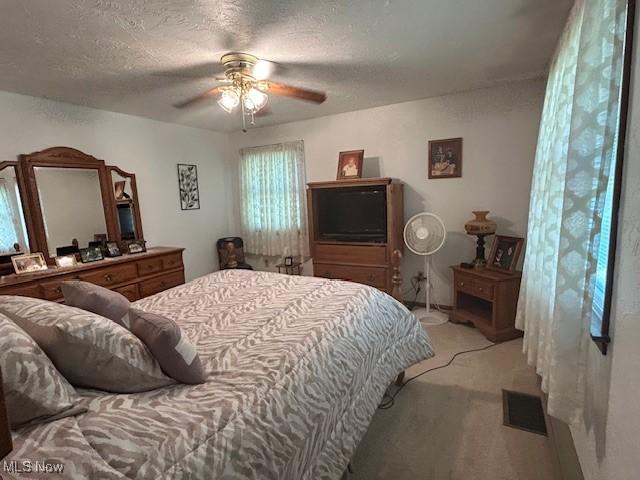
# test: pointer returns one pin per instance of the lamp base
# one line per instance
(480, 261)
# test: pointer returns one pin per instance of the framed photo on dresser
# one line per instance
(350, 164)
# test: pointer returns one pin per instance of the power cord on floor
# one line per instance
(390, 399)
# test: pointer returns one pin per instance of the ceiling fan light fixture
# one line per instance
(229, 99)
(255, 99)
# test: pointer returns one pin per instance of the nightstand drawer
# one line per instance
(464, 282)
(483, 290)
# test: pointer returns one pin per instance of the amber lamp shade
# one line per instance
(480, 226)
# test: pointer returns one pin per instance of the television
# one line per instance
(353, 214)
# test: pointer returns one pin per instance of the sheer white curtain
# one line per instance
(273, 199)
(574, 160)
(10, 222)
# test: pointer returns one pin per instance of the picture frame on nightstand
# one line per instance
(505, 253)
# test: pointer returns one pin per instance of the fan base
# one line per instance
(431, 318)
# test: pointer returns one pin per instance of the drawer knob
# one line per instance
(58, 290)
(108, 277)
(462, 284)
(481, 289)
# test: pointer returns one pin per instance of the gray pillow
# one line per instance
(35, 392)
(173, 350)
(96, 299)
(89, 350)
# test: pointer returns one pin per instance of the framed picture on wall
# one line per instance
(350, 164)
(505, 253)
(445, 158)
(188, 186)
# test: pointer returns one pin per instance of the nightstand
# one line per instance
(487, 299)
(294, 269)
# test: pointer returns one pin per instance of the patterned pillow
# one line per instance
(173, 350)
(89, 350)
(35, 392)
(96, 299)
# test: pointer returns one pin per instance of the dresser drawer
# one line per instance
(111, 276)
(51, 290)
(172, 261)
(130, 291)
(28, 291)
(358, 254)
(483, 289)
(155, 285)
(375, 277)
(152, 265)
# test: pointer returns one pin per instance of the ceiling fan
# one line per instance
(245, 84)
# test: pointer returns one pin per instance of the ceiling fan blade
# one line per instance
(193, 100)
(199, 70)
(264, 112)
(283, 90)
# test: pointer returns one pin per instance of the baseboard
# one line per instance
(565, 458)
(410, 305)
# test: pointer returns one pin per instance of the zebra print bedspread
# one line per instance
(296, 367)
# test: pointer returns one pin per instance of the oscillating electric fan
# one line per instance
(424, 234)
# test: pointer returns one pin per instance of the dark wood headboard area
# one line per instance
(5, 431)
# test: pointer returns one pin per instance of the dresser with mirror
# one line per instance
(61, 200)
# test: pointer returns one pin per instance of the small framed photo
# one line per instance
(30, 263)
(66, 261)
(137, 246)
(350, 164)
(288, 261)
(505, 253)
(113, 250)
(445, 158)
(91, 254)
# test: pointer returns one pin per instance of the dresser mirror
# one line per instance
(125, 194)
(71, 206)
(14, 239)
(70, 201)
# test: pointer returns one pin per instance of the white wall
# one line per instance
(499, 127)
(607, 441)
(148, 148)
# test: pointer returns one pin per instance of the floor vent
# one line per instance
(524, 412)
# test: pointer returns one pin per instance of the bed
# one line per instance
(296, 368)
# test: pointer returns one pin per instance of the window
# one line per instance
(273, 199)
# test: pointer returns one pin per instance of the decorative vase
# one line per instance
(480, 226)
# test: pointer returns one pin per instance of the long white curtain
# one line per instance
(574, 159)
(273, 199)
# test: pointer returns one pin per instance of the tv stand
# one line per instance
(364, 262)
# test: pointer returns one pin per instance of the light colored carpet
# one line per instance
(447, 424)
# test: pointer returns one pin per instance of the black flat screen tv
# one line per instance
(353, 214)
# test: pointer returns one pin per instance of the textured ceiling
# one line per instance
(140, 57)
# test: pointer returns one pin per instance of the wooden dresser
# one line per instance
(487, 299)
(367, 263)
(135, 276)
